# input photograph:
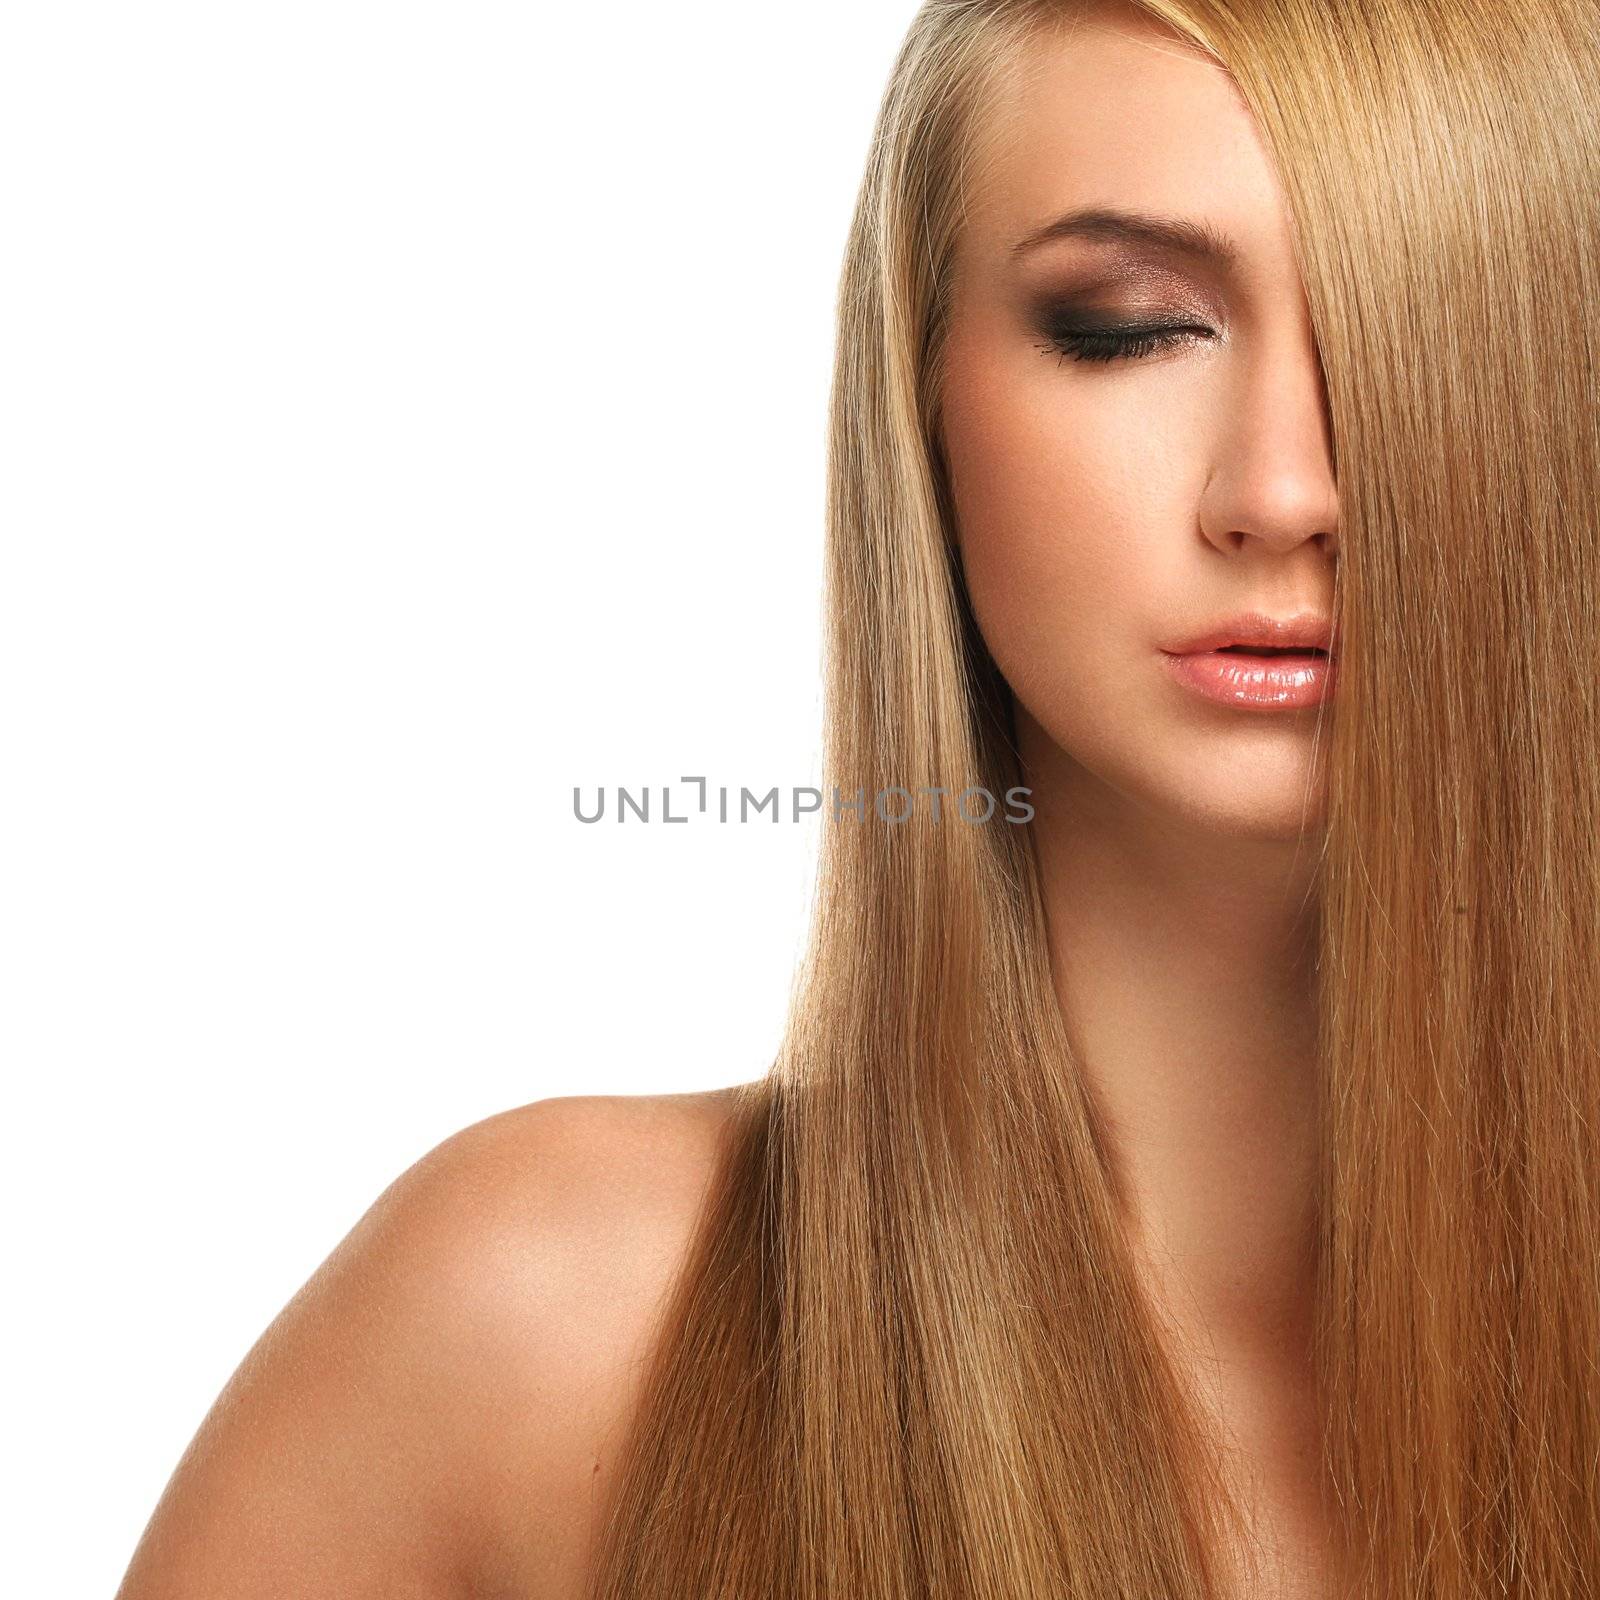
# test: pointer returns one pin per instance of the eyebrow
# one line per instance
(1107, 224)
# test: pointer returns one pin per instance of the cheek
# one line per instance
(1064, 493)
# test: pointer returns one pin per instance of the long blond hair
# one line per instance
(908, 1356)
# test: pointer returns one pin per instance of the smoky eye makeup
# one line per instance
(1094, 327)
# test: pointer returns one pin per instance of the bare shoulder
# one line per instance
(605, 1191)
(434, 1413)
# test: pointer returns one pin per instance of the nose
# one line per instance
(1271, 485)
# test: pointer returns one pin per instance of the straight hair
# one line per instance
(908, 1354)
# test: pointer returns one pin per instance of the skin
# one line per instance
(435, 1414)
(1105, 509)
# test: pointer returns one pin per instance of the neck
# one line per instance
(1182, 958)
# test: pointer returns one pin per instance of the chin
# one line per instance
(1282, 814)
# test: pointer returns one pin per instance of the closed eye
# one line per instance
(1132, 341)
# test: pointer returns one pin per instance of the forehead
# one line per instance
(1113, 110)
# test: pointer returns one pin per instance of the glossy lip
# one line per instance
(1256, 627)
(1262, 683)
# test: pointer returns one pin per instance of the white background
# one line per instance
(409, 412)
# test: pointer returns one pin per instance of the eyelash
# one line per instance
(1132, 343)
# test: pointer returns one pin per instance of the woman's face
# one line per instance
(1108, 510)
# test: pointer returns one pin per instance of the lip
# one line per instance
(1256, 627)
(1265, 683)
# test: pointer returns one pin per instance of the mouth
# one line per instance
(1270, 650)
(1259, 634)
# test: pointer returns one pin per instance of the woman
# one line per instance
(1194, 1191)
